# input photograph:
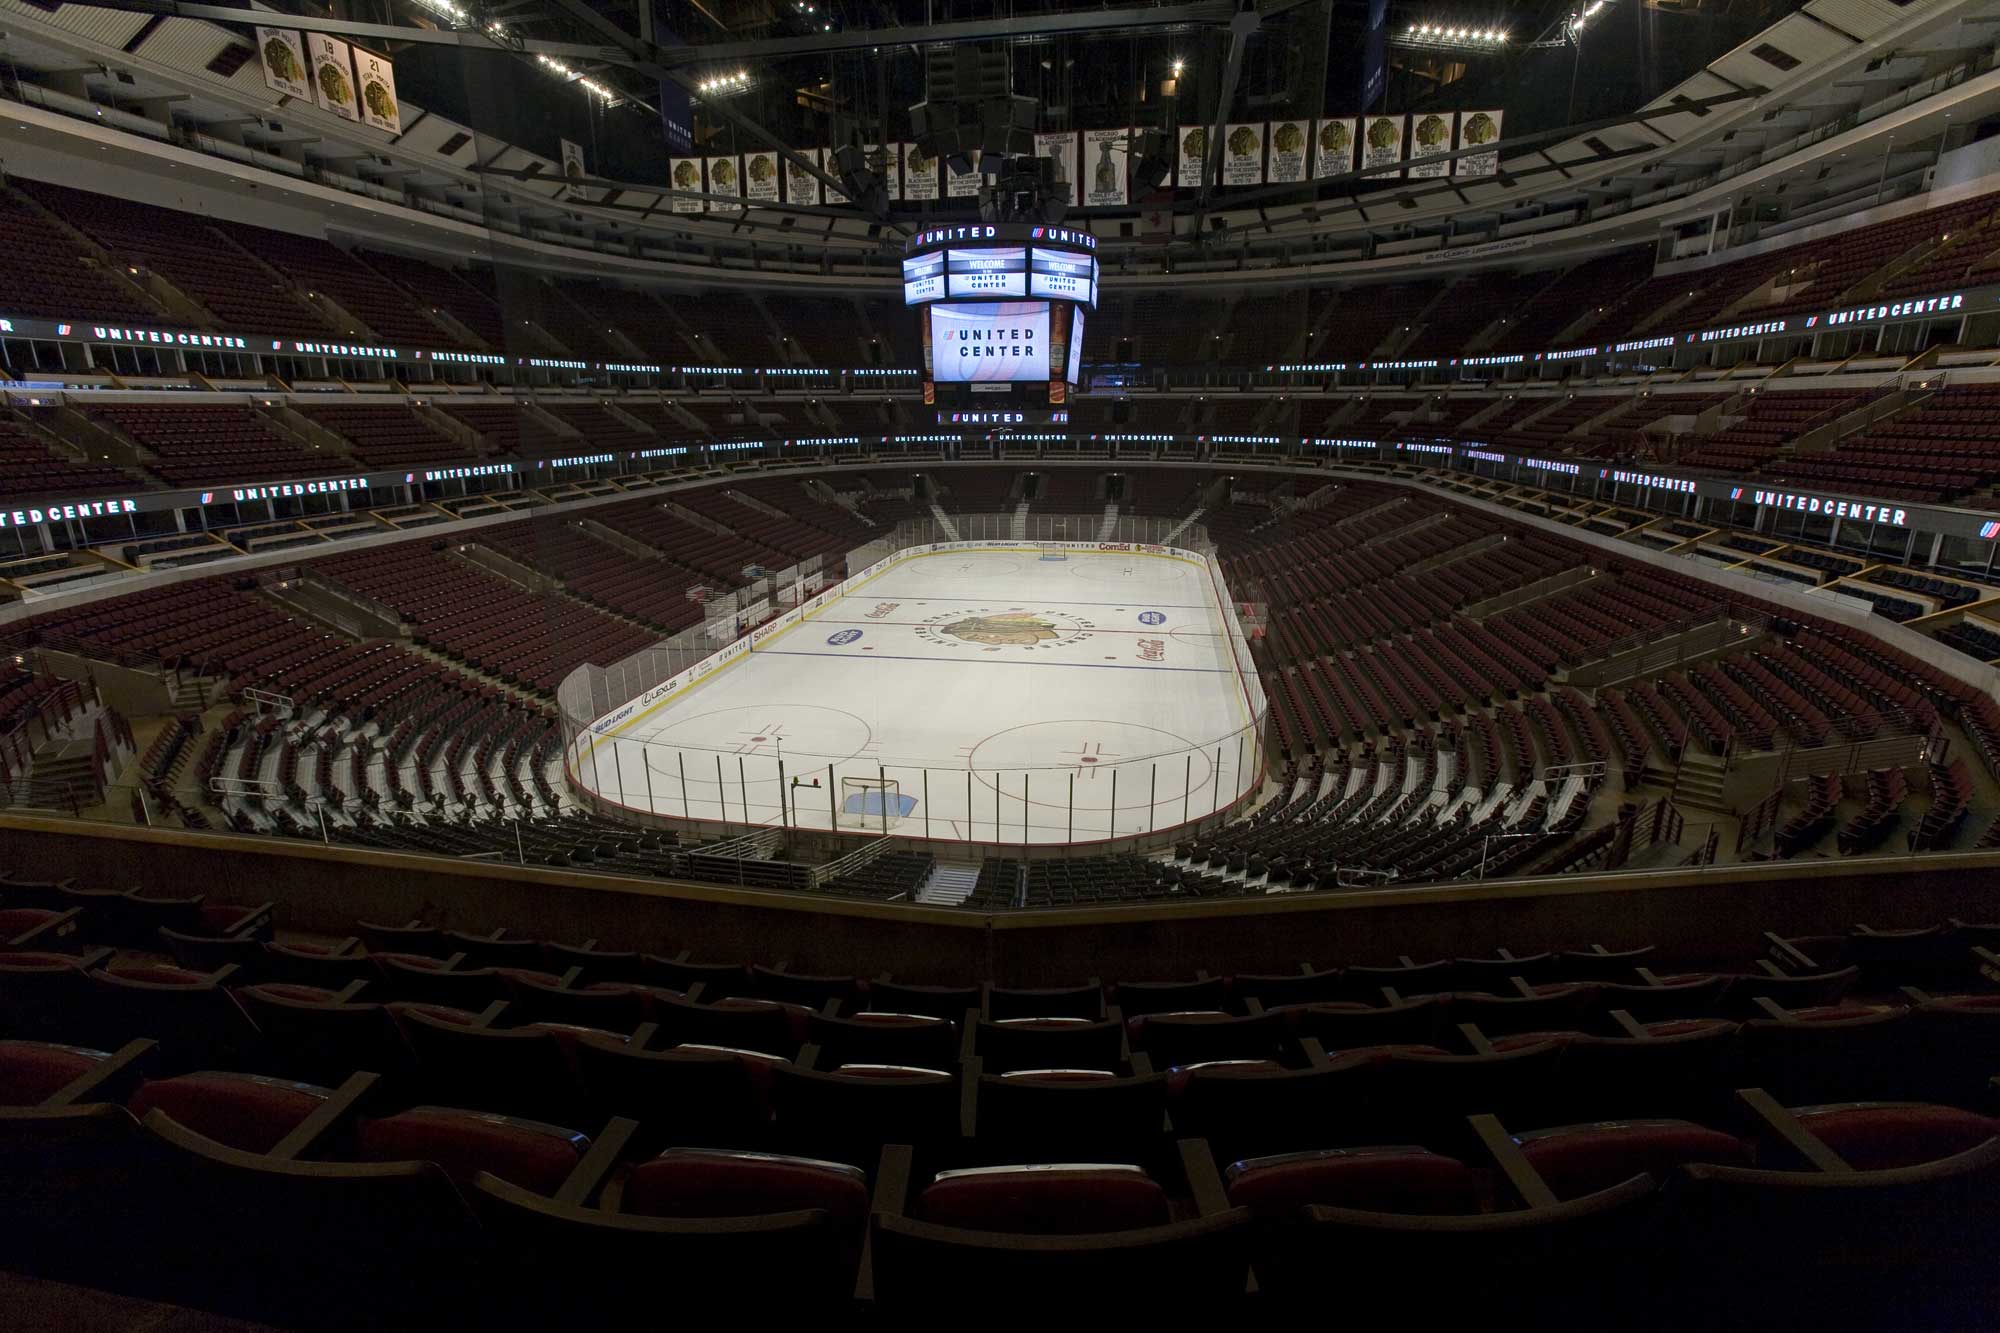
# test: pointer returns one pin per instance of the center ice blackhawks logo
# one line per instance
(994, 629)
(1009, 629)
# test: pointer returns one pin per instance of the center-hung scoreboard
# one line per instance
(1002, 307)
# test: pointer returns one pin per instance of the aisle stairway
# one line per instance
(950, 883)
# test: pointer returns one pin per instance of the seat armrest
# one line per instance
(123, 1066)
(1772, 1009)
(1522, 1178)
(892, 1180)
(1787, 957)
(330, 1114)
(968, 1097)
(1777, 1123)
(588, 1174)
(1204, 1181)
(62, 925)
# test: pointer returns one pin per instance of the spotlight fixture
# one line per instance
(579, 78)
(458, 17)
(1453, 36)
(722, 85)
(1581, 17)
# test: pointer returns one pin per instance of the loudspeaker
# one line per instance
(850, 163)
(1007, 128)
(973, 75)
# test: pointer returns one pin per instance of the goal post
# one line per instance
(871, 803)
(1051, 550)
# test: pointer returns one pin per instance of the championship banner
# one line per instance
(725, 176)
(1382, 144)
(1333, 147)
(1193, 153)
(572, 165)
(922, 174)
(826, 164)
(886, 161)
(1290, 140)
(378, 91)
(760, 175)
(1478, 129)
(686, 175)
(333, 75)
(1243, 155)
(965, 186)
(284, 57)
(1105, 155)
(801, 186)
(1061, 146)
(1431, 136)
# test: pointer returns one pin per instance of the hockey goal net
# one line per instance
(1051, 550)
(869, 803)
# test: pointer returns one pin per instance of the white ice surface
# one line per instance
(1128, 673)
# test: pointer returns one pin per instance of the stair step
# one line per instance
(950, 883)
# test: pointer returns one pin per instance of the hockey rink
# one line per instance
(976, 695)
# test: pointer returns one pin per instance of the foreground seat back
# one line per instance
(1554, 1264)
(1909, 1247)
(1178, 1267)
(313, 1244)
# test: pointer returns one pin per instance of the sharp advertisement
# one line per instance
(990, 342)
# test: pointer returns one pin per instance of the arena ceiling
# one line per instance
(1652, 103)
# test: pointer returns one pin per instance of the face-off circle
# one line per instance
(1152, 764)
(972, 565)
(1117, 569)
(1004, 629)
(805, 732)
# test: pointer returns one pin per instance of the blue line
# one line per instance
(994, 661)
